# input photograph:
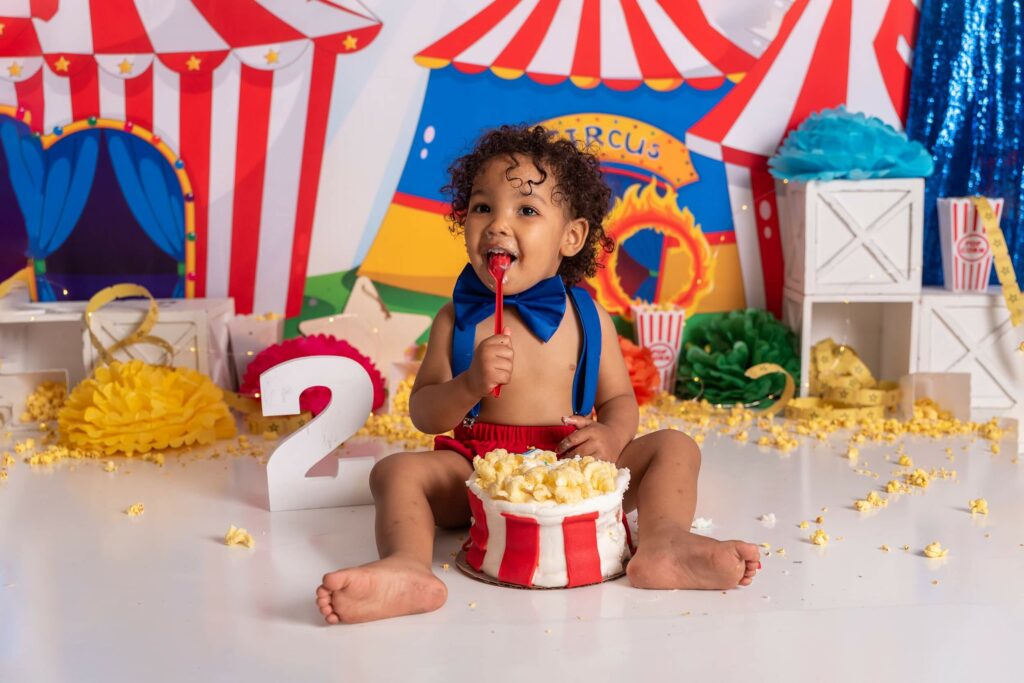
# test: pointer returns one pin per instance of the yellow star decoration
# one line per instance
(62, 64)
(350, 42)
(125, 66)
(193, 63)
(14, 69)
(271, 56)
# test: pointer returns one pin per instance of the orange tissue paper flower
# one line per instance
(136, 407)
(642, 373)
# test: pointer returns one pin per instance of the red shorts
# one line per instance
(483, 437)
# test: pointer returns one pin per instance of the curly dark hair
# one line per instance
(577, 180)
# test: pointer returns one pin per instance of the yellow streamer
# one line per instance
(1004, 265)
(141, 334)
(23, 275)
(763, 369)
(844, 386)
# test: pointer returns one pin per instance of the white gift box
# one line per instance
(50, 335)
(966, 252)
(882, 329)
(249, 335)
(852, 236)
(972, 332)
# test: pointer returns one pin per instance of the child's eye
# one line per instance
(529, 211)
(480, 208)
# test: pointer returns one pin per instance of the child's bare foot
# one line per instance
(676, 558)
(390, 587)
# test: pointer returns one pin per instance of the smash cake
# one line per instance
(548, 523)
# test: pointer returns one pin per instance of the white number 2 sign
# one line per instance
(288, 483)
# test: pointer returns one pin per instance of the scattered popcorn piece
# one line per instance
(819, 520)
(935, 582)
(3, 475)
(884, 548)
(8, 459)
(979, 506)
(134, 510)
(781, 552)
(766, 546)
(824, 509)
(905, 461)
(935, 549)
(547, 631)
(238, 536)
(918, 478)
(852, 453)
(862, 505)
(472, 605)
(876, 500)
(742, 436)
(803, 524)
(701, 523)
(906, 546)
(23, 446)
(768, 519)
(109, 466)
(819, 537)
(445, 566)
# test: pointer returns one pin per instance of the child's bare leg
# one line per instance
(413, 492)
(663, 470)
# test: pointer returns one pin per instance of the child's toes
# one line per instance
(332, 618)
(322, 592)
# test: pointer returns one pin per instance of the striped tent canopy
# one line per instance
(620, 43)
(241, 88)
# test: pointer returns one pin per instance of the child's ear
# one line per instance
(575, 237)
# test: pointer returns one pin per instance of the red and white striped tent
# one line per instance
(240, 88)
(826, 53)
(621, 43)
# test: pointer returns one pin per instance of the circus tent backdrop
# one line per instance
(543, 60)
(577, 56)
(827, 53)
(240, 89)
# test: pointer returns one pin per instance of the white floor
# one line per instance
(90, 594)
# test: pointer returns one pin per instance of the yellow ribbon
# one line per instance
(763, 369)
(141, 334)
(845, 387)
(23, 275)
(1004, 265)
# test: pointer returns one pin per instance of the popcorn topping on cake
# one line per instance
(539, 476)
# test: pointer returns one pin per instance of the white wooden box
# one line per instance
(852, 236)
(881, 329)
(43, 336)
(972, 332)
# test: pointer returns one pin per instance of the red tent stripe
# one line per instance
(824, 85)
(587, 60)
(654, 63)
(522, 550)
(243, 23)
(689, 18)
(716, 125)
(582, 558)
(762, 187)
(19, 38)
(138, 99)
(125, 34)
(250, 164)
(30, 96)
(195, 107)
(471, 31)
(319, 104)
(524, 45)
(85, 91)
(900, 19)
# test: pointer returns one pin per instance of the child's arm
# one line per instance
(438, 402)
(617, 413)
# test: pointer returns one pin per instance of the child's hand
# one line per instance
(492, 363)
(591, 438)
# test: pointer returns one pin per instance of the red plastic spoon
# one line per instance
(497, 264)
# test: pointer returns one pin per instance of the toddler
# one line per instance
(564, 386)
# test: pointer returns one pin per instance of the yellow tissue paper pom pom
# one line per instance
(137, 407)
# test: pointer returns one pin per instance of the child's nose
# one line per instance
(498, 226)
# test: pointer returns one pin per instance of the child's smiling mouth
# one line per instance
(513, 256)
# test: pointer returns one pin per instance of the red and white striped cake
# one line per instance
(549, 544)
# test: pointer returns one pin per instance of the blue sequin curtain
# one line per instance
(967, 108)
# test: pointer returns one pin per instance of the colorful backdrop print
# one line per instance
(242, 90)
(675, 66)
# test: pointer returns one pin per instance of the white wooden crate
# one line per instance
(43, 336)
(882, 329)
(972, 332)
(852, 236)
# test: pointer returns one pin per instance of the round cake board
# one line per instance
(463, 565)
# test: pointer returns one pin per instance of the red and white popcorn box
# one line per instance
(966, 252)
(661, 332)
(535, 545)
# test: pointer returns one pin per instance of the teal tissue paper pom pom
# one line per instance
(837, 144)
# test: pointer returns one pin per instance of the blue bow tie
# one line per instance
(541, 307)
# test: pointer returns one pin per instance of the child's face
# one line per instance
(534, 228)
